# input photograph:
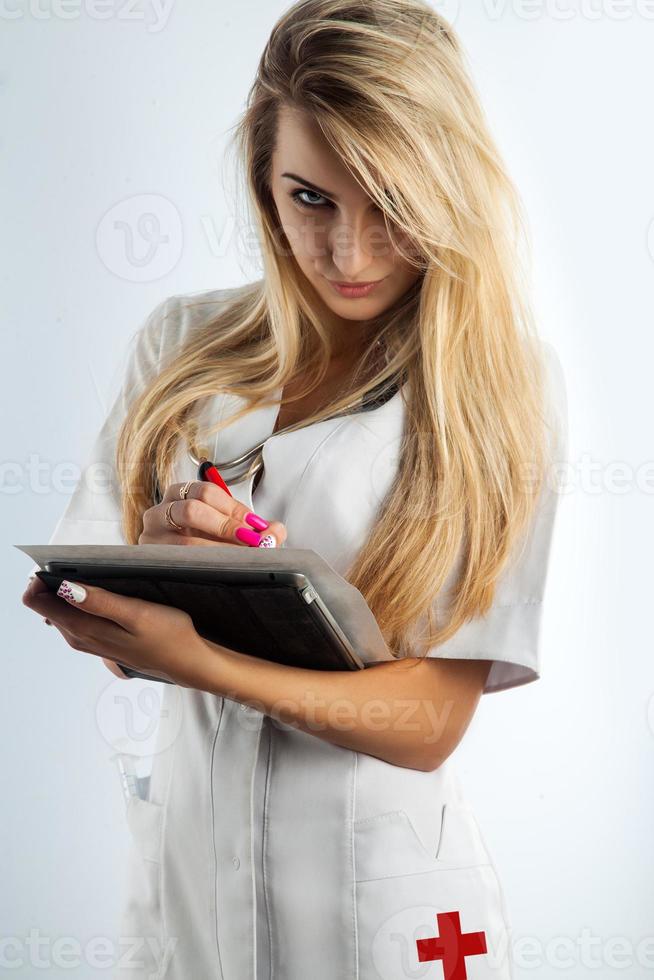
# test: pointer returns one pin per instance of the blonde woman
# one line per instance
(304, 823)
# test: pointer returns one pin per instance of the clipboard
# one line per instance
(286, 605)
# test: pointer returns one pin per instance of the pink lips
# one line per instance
(354, 290)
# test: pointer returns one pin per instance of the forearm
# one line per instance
(381, 710)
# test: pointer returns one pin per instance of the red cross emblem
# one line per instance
(451, 946)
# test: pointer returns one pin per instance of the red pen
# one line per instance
(208, 472)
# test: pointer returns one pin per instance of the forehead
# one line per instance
(302, 149)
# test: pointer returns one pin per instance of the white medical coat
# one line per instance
(261, 850)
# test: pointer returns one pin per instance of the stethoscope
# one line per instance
(249, 463)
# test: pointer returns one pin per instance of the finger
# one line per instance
(190, 537)
(77, 640)
(74, 624)
(115, 669)
(42, 600)
(221, 514)
(230, 513)
(33, 587)
(274, 536)
(123, 613)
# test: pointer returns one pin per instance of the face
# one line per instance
(334, 229)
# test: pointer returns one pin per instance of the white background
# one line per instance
(97, 114)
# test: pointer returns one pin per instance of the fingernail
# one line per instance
(247, 536)
(257, 522)
(268, 542)
(71, 591)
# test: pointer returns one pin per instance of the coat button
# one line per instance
(236, 863)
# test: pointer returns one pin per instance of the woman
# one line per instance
(303, 823)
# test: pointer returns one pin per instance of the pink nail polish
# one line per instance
(256, 522)
(247, 536)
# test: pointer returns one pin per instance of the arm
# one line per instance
(410, 713)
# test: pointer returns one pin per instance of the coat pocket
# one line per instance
(435, 884)
(145, 822)
(141, 925)
(388, 844)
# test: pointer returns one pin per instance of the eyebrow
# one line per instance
(312, 187)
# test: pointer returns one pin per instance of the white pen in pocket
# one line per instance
(132, 784)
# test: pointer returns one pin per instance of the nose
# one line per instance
(351, 247)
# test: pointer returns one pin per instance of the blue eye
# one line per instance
(309, 204)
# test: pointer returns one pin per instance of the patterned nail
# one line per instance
(71, 591)
(247, 536)
(268, 542)
(256, 522)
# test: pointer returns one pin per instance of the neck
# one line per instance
(348, 337)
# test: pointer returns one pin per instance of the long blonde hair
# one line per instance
(386, 82)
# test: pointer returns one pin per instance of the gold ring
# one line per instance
(183, 491)
(169, 519)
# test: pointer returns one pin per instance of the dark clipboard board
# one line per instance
(276, 616)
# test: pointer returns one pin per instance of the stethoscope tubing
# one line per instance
(229, 464)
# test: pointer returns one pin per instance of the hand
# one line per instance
(152, 638)
(208, 516)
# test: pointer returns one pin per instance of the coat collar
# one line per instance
(285, 454)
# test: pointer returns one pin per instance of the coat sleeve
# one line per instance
(509, 632)
(93, 512)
